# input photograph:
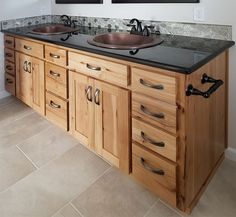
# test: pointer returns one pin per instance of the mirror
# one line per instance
(155, 1)
(79, 1)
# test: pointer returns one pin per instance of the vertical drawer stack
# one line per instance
(56, 76)
(154, 143)
(9, 54)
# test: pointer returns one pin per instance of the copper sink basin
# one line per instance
(124, 41)
(53, 30)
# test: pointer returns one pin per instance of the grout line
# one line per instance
(149, 210)
(70, 202)
(75, 208)
(171, 208)
(31, 161)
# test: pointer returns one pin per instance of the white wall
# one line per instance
(216, 12)
(11, 9)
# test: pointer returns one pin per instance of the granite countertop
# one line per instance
(177, 53)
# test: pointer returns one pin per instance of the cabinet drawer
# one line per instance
(10, 68)
(56, 80)
(30, 48)
(10, 84)
(56, 55)
(98, 68)
(9, 55)
(152, 84)
(154, 139)
(155, 112)
(155, 173)
(9, 42)
(57, 110)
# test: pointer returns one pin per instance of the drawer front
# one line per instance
(10, 68)
(9, 55)
(10, 84)
(155, 173)
(30, 48)
(56, 80)
(56, 55)
(57, 110)
(155, 112)
(154, 139)
(9, 42)
(98, 68)
(152, 84)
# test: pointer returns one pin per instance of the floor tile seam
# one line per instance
(170, 207)
(151, 207)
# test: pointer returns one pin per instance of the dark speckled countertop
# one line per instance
(177, 53)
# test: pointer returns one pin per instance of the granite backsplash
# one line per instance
(212, 31)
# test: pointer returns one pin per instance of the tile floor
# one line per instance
(44, 172)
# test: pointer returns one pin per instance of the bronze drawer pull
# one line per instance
(27, 47)
(8, 42)
(158, 87)
(29, 69)
(9, 55)
(146, 139)
(149, 168)
(147, 112)
(9, 81)
(96, 97)
(55, 56)
(8, 67)
(88, 93)
(95, 68)
(25, 67)
(54, 105)
(54, 74)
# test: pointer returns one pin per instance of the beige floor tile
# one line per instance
(47, 145)
(67, 211)
(161, 210)
(219, 200)
(13, 167)
(19, 130)
(114, 195)
(12, 109)
(48, 189)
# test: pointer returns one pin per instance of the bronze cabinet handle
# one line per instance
(27, 47)
(55, 74)
(25, 66)
(95, 68)
(54, 56)
(9, 67)
(9, 81)
(158, 87)
(96, 97)
(88, 93)
(9, 55)
(149, 168)
(147, 112)
(29, 67)
(8, 42)
(151, 141)
(54, 105)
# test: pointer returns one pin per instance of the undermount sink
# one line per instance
(124, 41)
(53, 30)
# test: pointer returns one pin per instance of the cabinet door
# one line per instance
(112, 124)
(82, 108)
(23, 79)
(38, 85)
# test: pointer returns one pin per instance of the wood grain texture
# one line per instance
(30, 48)
(56, 80)
(56, 55)
(10, 84)
(167, 94)
(9, 55)
(9, 41)
(10, 68)
(108, 71)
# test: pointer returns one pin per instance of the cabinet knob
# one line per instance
(96, 97)
(151, 141)
(54, 105)
(147, 112)
(54, 56)
(88, 93)
(95, 68)
(27, 47)
(149, 168)
(146, 84)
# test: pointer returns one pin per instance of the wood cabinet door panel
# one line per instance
(23, 79)
(81, 109)
(112, 124)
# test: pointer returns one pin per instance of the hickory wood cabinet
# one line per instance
(137, 117)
